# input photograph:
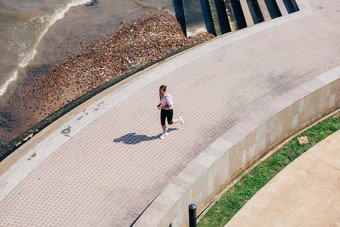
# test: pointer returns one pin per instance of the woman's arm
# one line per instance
(169, 103)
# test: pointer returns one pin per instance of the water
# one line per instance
(37, 33)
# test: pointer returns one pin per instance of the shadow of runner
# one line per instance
(132, 138)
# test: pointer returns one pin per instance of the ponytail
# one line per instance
(163, 88)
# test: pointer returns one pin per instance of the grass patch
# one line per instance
(238, 195)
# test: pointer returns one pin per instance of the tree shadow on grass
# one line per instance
(133, 138)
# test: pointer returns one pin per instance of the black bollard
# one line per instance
(192, 215)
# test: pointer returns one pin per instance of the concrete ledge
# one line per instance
(240, 147)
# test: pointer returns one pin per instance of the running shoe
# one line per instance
(181, 120)
(164, 134)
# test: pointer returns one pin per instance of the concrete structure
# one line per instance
(305, 193)
(247, 13)
(282, 8)
(264, 9)
(240, 95)
(240, 147)
(212, 15)
(194, 18)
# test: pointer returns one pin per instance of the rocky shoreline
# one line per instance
(149, 38)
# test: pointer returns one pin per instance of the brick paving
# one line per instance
(109, 171)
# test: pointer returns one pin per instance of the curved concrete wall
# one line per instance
(240, 147)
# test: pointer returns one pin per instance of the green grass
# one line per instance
(238, 195)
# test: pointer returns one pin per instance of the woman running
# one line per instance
(166, 108)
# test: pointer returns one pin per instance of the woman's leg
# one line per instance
(170, 114)
(163, 116)
(174, 121)
(164, 128)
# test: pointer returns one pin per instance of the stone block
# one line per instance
(264, 10)
(303, 139)
(332, 101)
(282, 7)
(235, 157)
(194, 18)
(246, 13)
(252, 151)
(221, 146)
(295, 121)
(261, 136)
(205, 159)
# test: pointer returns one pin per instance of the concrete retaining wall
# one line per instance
(240, 147)
(212, 15)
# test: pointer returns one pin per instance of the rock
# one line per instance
(303, 140)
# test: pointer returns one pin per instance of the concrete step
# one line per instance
(282, 7)
(231, 16)
(214, 15)
(236, 8)
(273, 8)
(264, 10)
(291, 6)
(223, 16)
(219, 15)
(246, 12)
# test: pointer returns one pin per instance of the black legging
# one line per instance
(167, 114)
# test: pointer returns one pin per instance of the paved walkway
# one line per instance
(103, 163)
(305, 193)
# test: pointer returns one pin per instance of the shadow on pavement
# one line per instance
(133, 138)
